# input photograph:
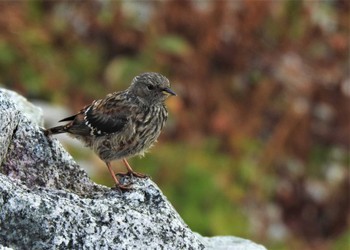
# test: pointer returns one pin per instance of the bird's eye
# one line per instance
(150, 87)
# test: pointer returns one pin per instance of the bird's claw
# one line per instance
(131, 174)
(122, 187)
(140, 175)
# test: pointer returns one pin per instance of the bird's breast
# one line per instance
(149, 125)
(138, 135)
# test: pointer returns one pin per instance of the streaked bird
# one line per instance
(123, 124)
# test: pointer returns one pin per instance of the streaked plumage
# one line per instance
(123, 124)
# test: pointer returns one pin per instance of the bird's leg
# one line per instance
(131, 171)
(115, 178)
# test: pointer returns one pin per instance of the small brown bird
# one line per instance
(123, 124)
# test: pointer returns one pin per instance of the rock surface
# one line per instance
(48, 202)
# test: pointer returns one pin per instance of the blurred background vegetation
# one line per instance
(257, 144)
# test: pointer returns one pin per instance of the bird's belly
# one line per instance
(117, 147)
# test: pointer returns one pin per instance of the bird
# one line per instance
(123, 124)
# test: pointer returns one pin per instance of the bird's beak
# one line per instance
(169, 91)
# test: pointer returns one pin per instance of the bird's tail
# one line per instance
(55, 130)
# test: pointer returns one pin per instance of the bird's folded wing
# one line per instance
(107, 116)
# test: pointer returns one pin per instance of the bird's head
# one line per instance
(151, 88)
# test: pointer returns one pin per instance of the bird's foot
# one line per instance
(132, 174)
(122, 187)
(137, 174)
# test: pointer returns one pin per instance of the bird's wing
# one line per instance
(74, 117)
(107, 116)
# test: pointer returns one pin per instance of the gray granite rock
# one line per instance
(41, 218)
(229, 243)
(48, 202)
